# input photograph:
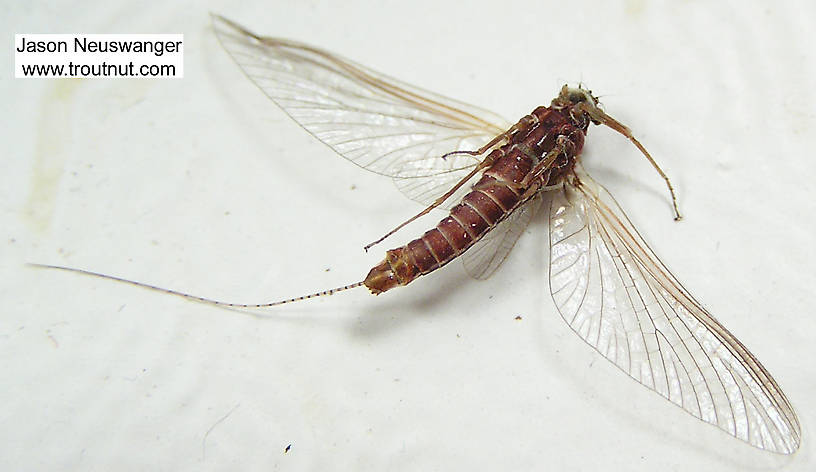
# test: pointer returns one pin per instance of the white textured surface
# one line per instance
(201, 184)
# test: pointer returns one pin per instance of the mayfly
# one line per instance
(606, 282)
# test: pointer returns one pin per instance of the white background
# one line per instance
(203, 185)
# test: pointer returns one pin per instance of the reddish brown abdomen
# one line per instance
(493, 197)
(480, 210)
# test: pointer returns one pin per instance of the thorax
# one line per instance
(536, 137)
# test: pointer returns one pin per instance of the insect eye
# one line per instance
(577, 97)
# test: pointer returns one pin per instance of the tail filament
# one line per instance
(196, 297)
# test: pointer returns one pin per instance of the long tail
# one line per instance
(196, 297)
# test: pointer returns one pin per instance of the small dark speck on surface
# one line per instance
(518, 317)
(287, 448)
(328, 269)
(353, 187)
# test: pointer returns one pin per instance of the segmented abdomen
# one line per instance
(487, 204)
(493, 197)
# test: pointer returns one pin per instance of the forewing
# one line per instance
(487, 254)
(377, 122)
(617, 295)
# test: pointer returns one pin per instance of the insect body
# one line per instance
(540, 151)
(606, 282)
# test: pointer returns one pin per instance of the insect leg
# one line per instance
(597, 114)
(479, 151)
(562, 144)
(485, 163)
(522, 125)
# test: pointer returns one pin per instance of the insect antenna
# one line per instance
(197, 298)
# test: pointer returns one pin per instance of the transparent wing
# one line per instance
(486, 255)
(617, 295)
(377, 122)
(425, 179)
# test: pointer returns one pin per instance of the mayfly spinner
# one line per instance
(605, 280)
